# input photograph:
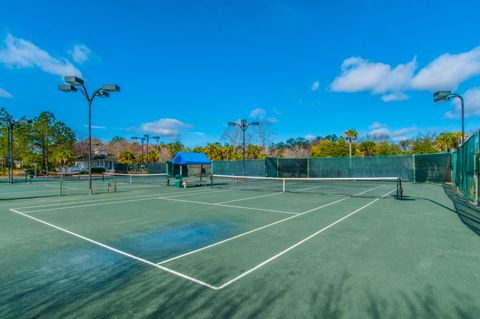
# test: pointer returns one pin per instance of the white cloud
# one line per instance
(375, 125)
(20, 53)
(272, 120)
(445, 72)
(80, 53)
(276, 111)
(380, 131)
(315, 86)
(4, 93)
(257, 113)
(448, 71)
(96, 127)
(360, 75)
(199, 133)
(472, 105)
(397, 96)
(310, 137)
(165, 127)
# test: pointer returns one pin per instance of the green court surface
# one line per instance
(162, 252)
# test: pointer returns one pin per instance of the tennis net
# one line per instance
(149, 179)
(359, 187)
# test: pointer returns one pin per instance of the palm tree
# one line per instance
(368, 148)
(351, 135)
(457, 139)
(444, 141)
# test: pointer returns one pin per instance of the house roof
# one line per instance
(190, 158)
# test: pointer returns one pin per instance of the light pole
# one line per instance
(11, 123)
(243, 125)
(445, 96)
(147, 138)
(143, 140)
(74, 84)
(156, 138)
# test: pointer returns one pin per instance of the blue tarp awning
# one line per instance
(190, 158)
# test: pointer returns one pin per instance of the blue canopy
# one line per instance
(190, 158)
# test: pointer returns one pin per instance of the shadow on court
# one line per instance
(468, 213)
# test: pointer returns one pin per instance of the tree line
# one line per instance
(328, 146)
(42, 145)
(47, 144)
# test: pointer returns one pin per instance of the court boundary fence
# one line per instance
(434, 168)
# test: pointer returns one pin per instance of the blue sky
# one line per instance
(187, 67)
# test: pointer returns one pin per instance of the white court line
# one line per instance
(230, 206)
(260, 196)
(63, 186)
(79, 202)
(298, 243)
(275, 194)
(173, 272)
(253, 197)
(108, 199)
(107, 203)
(262, 227)
(50, 191)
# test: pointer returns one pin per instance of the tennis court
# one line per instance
(243, 247)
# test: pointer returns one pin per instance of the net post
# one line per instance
(283, 185)
(399, 189)
(130, 178)
(211, 180)
(61, 188)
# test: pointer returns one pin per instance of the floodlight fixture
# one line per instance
(255, 123)
(442, 96)
(67, 88)
(103, 94)
(111, 88)
(232, 123)
(74, 80)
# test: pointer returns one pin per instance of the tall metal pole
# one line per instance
(143, 156)
(90, 146)
(147, 138)
(74, 84)
(244, 128)
(10, 160)
(463, 117)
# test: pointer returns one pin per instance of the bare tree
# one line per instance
(296, 151)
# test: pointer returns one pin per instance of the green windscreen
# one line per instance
(372, 166)
(435, 168)
(465, 170)
(252, 168)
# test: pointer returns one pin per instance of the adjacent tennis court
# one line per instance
(249, 247)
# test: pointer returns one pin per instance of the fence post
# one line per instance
(277, 168)
(414, 169)
(308, 167)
